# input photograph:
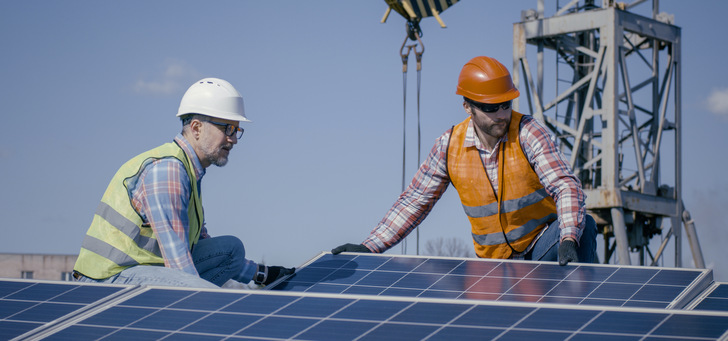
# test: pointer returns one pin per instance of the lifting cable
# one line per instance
(413, 33)
(413, 12)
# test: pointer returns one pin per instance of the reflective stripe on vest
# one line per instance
(129, 228)
(525, 206)
(117, 237)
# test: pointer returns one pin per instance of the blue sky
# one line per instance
(88, 84)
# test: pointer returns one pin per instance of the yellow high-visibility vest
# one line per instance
(118, 238)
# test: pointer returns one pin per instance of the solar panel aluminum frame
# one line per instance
(702, 281)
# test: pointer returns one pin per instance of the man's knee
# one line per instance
(588, 241)
(590, 228)
(231, 243)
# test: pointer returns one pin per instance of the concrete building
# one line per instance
(37, 266)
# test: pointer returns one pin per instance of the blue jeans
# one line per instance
(547, 247)
(216, 259)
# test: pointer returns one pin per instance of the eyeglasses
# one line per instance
(230, 129)
(491, 108)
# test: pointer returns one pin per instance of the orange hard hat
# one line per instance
(485, 80)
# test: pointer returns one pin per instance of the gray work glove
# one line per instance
(350, 248)
(567, 252)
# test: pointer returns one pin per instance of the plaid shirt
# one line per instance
(431, 181)
(161, 198)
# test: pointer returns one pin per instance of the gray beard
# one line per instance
(219, 161)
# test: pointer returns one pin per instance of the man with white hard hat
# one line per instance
(149, 228)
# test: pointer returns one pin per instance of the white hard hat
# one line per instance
(213, 97)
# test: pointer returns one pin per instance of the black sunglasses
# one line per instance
(230, 129)
(491, 108)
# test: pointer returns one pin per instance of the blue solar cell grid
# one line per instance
(180, 314)
(715, 298)
(27, 305)
(497, 280)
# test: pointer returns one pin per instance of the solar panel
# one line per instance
(714, 298)
(27, 305)
(498, 280)
(214, 314)
(71, 311)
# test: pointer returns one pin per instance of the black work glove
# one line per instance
(350, 248)
(567, 252)
(272, 273)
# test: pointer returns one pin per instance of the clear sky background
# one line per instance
(87, 85)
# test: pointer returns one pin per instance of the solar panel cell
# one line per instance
(9, 308)
(431, 312)
(255, 304)
(74, 333)
(450, 333)
(674, 277)
(632, 275)
(625, 323)
(557, 319)
(209, 300)
(337, 330)
(715, 298)
(693, 326)
(401, 292)
(717, 304)
(314, 307)
(119, 316)
(11, 329)
(158, 298)
(492, 316)
(371, 310)
(222, 323)
(277, 327)
(396, 331)
(45, 312)
(438, 266)
(168, 319)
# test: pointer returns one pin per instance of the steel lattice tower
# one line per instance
(616, 111)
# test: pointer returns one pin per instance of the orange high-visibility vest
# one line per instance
(506, 222)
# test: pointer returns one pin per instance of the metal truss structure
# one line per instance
(615, 108)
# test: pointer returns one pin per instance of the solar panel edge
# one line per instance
(92, 308)
(704, 281)
(703, 295)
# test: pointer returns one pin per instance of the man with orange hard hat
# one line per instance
(518, 191)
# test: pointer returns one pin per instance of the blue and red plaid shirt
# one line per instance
(431, 181)
(161, 198)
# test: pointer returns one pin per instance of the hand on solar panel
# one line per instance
(567, 252)
(350, 248)
(272, 273)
